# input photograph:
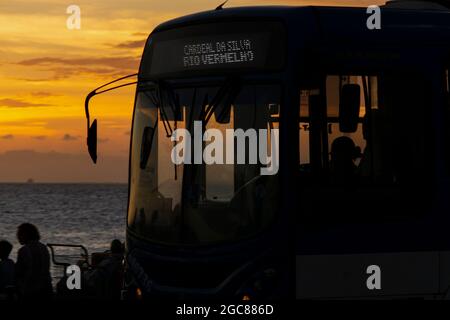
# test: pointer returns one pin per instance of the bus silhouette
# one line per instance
(360, 205)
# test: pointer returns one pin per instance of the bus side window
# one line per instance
(304, 128)
(384, 159)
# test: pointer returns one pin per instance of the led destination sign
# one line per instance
(222, 48)
(206, 53)
(217, 53)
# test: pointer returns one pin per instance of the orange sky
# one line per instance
(46, 70)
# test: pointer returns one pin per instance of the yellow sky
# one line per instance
(46, 70)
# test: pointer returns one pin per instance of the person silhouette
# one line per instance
(343, 154)
(104, 281)
(33, 265)
(7, 277)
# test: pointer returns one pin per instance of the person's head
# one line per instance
(5, 249)
(343, 151)
(116, 247)
(27, 232)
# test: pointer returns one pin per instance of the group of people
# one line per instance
(29, 277)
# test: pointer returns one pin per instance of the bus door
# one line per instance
(365, 226)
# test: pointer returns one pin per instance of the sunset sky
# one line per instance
(46, 70)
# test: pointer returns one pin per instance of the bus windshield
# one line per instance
(194, 202)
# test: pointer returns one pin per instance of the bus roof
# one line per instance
(329, 21)
(338, 34)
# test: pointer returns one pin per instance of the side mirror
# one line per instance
(273, 115)
(349, 103)
(274, 109)
(92, 141)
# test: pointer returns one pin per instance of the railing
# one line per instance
(84, 256)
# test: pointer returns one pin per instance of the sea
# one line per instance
(91, 215)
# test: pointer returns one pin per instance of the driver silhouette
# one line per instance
(344, 152)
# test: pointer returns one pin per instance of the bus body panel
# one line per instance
(321, 41)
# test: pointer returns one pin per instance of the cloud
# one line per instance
(130, 44)
(63, 68)
(39, 137)
(60, 73)
(17, 103)
(7, 137)
(140, 34)
(43, 94)
(36, 79)
(31, 122)
(111, 62)
(68, 137)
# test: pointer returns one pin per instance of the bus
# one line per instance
(359, 207)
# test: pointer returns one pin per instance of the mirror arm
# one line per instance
(93, 148)
(96, 92)
(86, 107)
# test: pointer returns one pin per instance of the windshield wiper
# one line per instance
(175, 107)
(230, 90)
(163, 87)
